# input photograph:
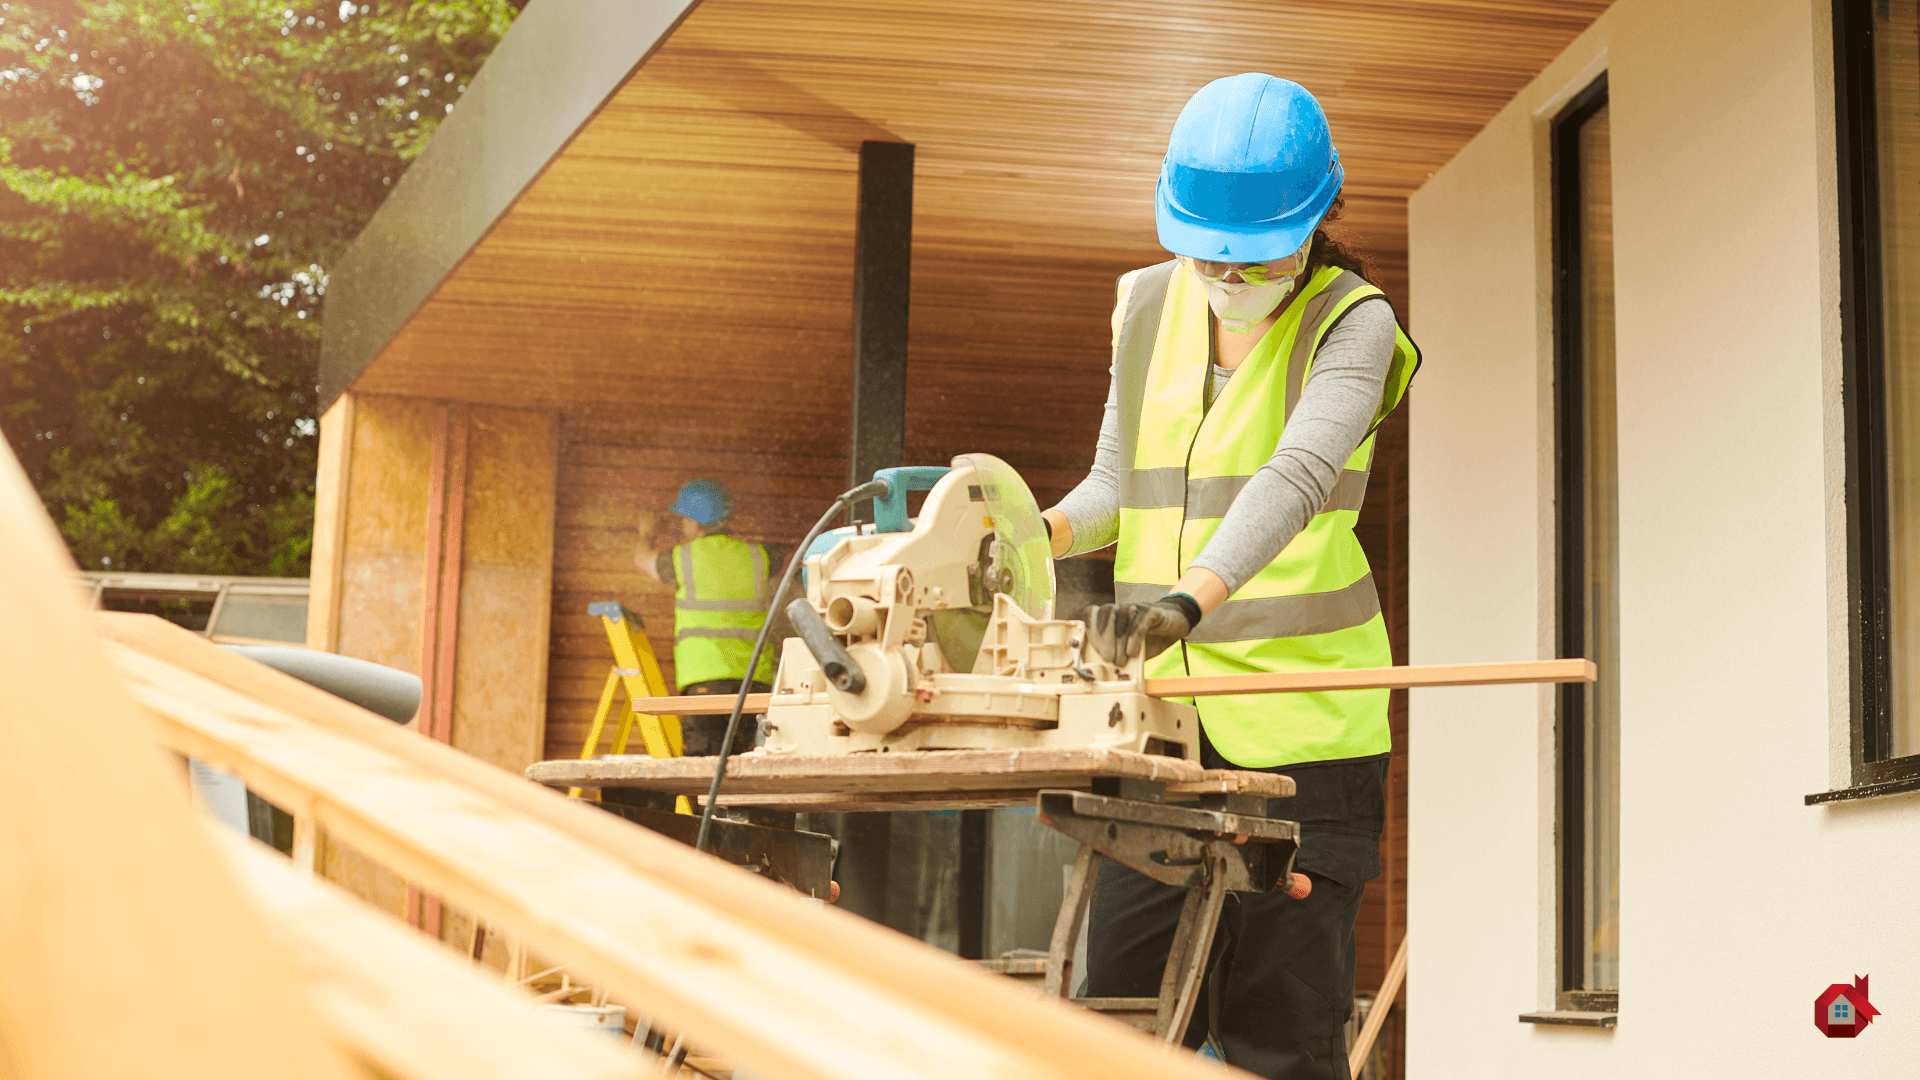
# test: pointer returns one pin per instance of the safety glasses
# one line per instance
(1251, 273)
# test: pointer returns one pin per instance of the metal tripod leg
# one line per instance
(1066, 928)
(1187, 958)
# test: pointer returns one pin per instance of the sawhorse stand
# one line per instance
(1192, 848)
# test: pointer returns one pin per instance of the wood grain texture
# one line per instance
(499, 704)
(1497, 674)
(1039, 129)
(382, 590)
(446, 543)
(948, 771)
(744, 966)
(331, 486)
(130, 950)
(411, 1010)
(1383, 999)
(1523, 671)
(383, 583)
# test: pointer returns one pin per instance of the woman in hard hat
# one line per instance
(1249, 375)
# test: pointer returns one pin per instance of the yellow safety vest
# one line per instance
(720, 601)
(1313, 606)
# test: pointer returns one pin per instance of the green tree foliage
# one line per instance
(175, 181)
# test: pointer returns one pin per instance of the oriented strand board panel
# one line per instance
(386, 531)
(130, 950)
(500, 679)
(382, 578)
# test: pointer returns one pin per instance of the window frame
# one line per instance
(1863, 405)
(1570, 440)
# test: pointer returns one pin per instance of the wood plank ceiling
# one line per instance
(681, 274)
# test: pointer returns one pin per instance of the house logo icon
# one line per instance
(1842, 1011)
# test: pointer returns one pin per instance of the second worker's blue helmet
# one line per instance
(706, 502)
(1250, 170)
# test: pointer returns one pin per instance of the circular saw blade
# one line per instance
(1022, 558)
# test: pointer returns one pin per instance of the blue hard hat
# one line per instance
(705, 501)
(1250, 170)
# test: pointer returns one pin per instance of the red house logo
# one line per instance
(1842, 1011)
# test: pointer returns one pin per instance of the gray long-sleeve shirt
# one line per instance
(1337, 406)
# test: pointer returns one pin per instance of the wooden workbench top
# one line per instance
(916, 780)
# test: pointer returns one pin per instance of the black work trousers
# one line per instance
(700, 736)
(1279, 983)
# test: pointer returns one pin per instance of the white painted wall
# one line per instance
(1739, 903)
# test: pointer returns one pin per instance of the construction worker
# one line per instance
(1249, 374)
(721, 591)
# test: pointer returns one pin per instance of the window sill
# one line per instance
(1898, 786)
(1570, 1018)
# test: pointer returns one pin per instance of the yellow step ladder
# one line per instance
(635, 669)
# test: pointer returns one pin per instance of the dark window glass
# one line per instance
(1877, 124)
(1587, 508)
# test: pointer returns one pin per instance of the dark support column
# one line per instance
(883, 243)
(882, 261)
(972, 905)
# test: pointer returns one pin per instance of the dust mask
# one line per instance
(1239, 305)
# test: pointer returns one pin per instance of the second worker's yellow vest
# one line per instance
(720, 599)
(1314, 605)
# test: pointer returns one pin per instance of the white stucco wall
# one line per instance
(1739, 903)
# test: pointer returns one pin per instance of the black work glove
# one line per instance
(1120, 631)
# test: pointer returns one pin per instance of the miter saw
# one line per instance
(937, 633)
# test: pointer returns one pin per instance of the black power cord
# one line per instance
(872, 489)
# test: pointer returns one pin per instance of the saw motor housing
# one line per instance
(950, 660)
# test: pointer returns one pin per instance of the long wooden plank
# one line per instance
(746, 967)
(1390, 678)
(1382, 1005)
(942, 771)
(410, 1009)
(1393, 678)
(129, 950)
(700, 704)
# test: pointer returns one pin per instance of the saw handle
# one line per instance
(826, 649)
(890, 510)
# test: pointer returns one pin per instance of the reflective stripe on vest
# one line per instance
(720, 601)
(1312, 607)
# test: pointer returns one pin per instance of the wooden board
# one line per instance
(411, 1009)
(1396, 678)
(786, 987)
(129, 950)
(328, 563)
(1294, 682)
(918, 780)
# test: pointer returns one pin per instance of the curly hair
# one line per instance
(1328, 251)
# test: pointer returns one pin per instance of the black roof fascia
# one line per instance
(556, 66)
